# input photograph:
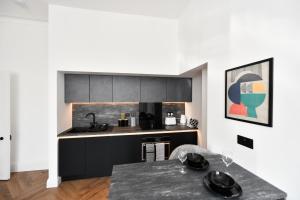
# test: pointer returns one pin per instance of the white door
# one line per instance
(4, 126)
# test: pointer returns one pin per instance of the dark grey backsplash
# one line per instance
(105, 113)
(177, 108)
(110, 112)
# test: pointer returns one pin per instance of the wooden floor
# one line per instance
(32, 185)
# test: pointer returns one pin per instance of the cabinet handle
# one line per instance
(1, 138)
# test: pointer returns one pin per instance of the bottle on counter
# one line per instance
(132, 120)
(123, 121)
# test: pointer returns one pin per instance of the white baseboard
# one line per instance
(28, 167)
(53, 182)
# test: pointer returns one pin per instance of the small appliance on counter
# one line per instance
(183, 120)
(170, 119)
(123, 122)
(150, 116)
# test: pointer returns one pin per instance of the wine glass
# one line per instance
(182, 156)
(227, 159)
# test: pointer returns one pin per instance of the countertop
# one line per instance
(162, 180)
(119, 131)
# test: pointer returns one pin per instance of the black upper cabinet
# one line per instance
(126, 89)
(179, 89)
(153, 89)
(100, 88)
(76, 88)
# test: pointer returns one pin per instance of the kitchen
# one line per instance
(122, 119)
(82, 73)
(133, 129)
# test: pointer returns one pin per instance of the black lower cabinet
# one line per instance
(72, 158)
(98, 156)
(183, 138)
(95, 157)
(126, 149)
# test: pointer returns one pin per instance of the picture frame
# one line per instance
(249, 93)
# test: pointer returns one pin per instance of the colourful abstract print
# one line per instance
(247, 93)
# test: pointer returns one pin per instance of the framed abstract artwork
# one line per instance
(249, 93)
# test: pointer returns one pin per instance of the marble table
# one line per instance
(162, 180)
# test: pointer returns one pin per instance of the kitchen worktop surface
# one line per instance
(119, 131)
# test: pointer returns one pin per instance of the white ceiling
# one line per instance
(38, 9)
(28, 9)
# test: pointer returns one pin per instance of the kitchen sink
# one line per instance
(100, 128)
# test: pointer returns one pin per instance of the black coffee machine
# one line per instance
(150, 116)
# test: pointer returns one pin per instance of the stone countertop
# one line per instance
(119, 131)
(162, 180)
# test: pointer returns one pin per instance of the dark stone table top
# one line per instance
(162, 180)
(117, 131)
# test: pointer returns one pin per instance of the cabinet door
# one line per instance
(72, 157)
(126, 149)
(100, 88)
(76, 88)
(126, 89)
(179, 90)
(183, 138)
(153, 89)
(98, 156)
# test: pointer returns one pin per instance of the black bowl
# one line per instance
(232, 193)
(220, 180)
(195, 159)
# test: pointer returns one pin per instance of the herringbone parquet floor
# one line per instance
(32, 186)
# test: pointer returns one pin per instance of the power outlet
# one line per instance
(247, 142)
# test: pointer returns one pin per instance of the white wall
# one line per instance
(23, 53)
(94, 41)
(233, 33)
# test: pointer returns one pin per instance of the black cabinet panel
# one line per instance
(153, 89)
(76, 88)
(183, 138)
(98, 156)
(100, 88)
(126, 149)
(179, 89)
(95, 157)
(72, 158)
(126, 89)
